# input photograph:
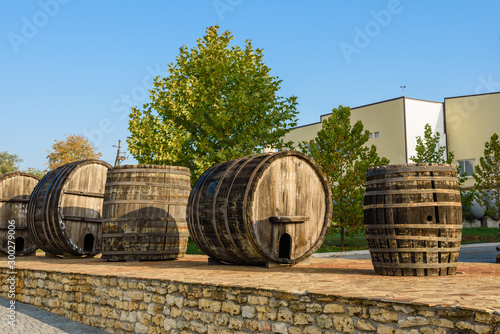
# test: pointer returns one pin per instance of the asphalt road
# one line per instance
(482, 253)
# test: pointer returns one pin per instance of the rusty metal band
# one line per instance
(149, 184)
(426, 226)
(183, 171)
(415, 250)
(412, 178)
(147, 202)
(413, 265)
(413, 191)
(83, 193)
(412, 237)
(409, 205)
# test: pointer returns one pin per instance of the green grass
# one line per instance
(476, 235)
(358, 241)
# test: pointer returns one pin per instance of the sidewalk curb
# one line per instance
(362, 252)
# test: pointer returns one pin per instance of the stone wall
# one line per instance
(126, 305)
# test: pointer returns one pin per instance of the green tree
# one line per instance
(487, 177)
(429, 151)
(340, 151)
(74, 148)
(36, 172)
(219, 102)
(9, 163)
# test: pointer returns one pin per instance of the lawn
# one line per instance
(358, 241)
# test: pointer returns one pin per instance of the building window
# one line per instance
(466, 166)
(370, 135)
(377, 134)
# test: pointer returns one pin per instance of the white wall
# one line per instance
(418, 113)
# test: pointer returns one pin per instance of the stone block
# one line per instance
(324, 321)
(382, 315)
(413, 321)
(343, 323)
(231, 308)
(302, 319)
(285, 315)
(248, 312)
(364, 325)
(333, 308)
(279, 327)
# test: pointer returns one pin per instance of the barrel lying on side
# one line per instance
(64, 211)
(15, 191)
(145, 213)
(261, 209)
(413, 219)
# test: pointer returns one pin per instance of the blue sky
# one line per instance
(76, 67)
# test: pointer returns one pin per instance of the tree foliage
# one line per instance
(219, 102)
(340, 151)
(487, 177)
(9, 163)
(428, 149)
(74, 148)
(36, 172)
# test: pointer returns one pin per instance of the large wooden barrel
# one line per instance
(261, 209)
(15, 191)
(64, 211)
(145, 213)
(413, 219)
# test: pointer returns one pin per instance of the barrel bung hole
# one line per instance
(19, 244)
(429, 218)
(88, 243)
(285, 251)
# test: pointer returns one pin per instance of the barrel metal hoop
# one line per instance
(413, 265)
(412, 237)
(410, 205)
(415, 250)
(412, 191)
(417, 226)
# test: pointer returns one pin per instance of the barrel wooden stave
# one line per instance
(419, 208)
(15, 190)
(145, 213)
(64, 212)
(231, 205)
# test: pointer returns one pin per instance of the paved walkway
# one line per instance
(31, 320)
(476, 285)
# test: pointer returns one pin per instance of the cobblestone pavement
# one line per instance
(31, 320)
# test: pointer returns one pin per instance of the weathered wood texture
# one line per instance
(15, 191)
(413, 219)
(145, 213)
(64, 211)
(272, 207)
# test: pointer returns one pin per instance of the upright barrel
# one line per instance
(266, 208)
(413, 219)
(15, 191)
(65, 209)
(145, 213)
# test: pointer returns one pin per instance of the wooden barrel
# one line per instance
(413, 219)
(64, 211)
(145, 213)
(261, 209)
(15, 191)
